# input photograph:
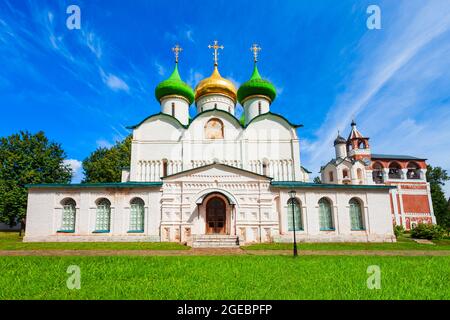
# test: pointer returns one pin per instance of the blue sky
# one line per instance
(83, 87)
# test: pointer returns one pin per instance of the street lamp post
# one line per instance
(292, 194)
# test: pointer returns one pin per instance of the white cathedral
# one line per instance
(215, 180)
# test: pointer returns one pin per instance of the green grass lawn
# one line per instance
(403, 243)
(225, 277)
(12, 241)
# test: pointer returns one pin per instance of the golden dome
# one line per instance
(216, 84)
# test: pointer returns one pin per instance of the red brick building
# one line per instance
(356, 164)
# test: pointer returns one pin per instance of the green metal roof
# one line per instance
(174, 86)
(297, 184)
(156, 115)
(243, 126)
(306, 170)
(256, 86)
(95, 185)
(213, 164)
(395, 157)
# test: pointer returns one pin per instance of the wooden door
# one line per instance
(216, 216)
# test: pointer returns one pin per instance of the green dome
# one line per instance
(174, 86)
(256, 86)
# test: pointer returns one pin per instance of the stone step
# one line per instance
(215, 241)
(214, 245)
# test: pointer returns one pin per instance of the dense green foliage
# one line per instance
(27, 158)
(437, 177)
(428, 231)
(105, 165)
(225, 277)
(399, 230)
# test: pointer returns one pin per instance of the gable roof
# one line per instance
(276, 115)
(160, 114)
(215, 164)
(338, 161)
(242, 125)
(395, 157)
(296, 184)
(119, 185)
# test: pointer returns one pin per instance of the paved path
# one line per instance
(222, 252)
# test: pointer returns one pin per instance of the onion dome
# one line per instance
(174, 86)
(215, 84)
(256, 86)
(340, 140)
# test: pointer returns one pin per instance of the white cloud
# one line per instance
(102, 143)
(50, 16)
(93, 43)
(194, 77)
(190, 35)
(394, 86)
(160, 69)
(77, 169)
(114, 82)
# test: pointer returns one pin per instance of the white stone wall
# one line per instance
(376, 215)
(252, 107)
(180, 108)
(215, 101)
(44, 214)
(256, 211)
(265, 140)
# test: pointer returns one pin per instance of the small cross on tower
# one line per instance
(216, 48)
(176, 50)
(255, 49)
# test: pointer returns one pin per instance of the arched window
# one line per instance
(165, 164)
(294, 208)
(356, 217)
(331, 176)
(377, 173)
(325, 215)
(265, 167)
(345, 174)
(68, 215)
(361, 144)
(214, 129)
(137, 215)
(173, 109)
(413, 171)
(259, 108)
(103, 216)
(395, 171)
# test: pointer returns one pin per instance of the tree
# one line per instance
(105, 165)
(317, 179)
(27, 158)
(437, 177)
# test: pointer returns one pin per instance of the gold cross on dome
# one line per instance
(216, 48)
(255, 49)
(176, 50)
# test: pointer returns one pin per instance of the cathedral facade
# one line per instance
(215, 180)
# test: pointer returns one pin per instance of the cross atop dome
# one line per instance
(255, 49)
(176, 50)
(216, 48)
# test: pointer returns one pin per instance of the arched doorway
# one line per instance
(216, 216)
